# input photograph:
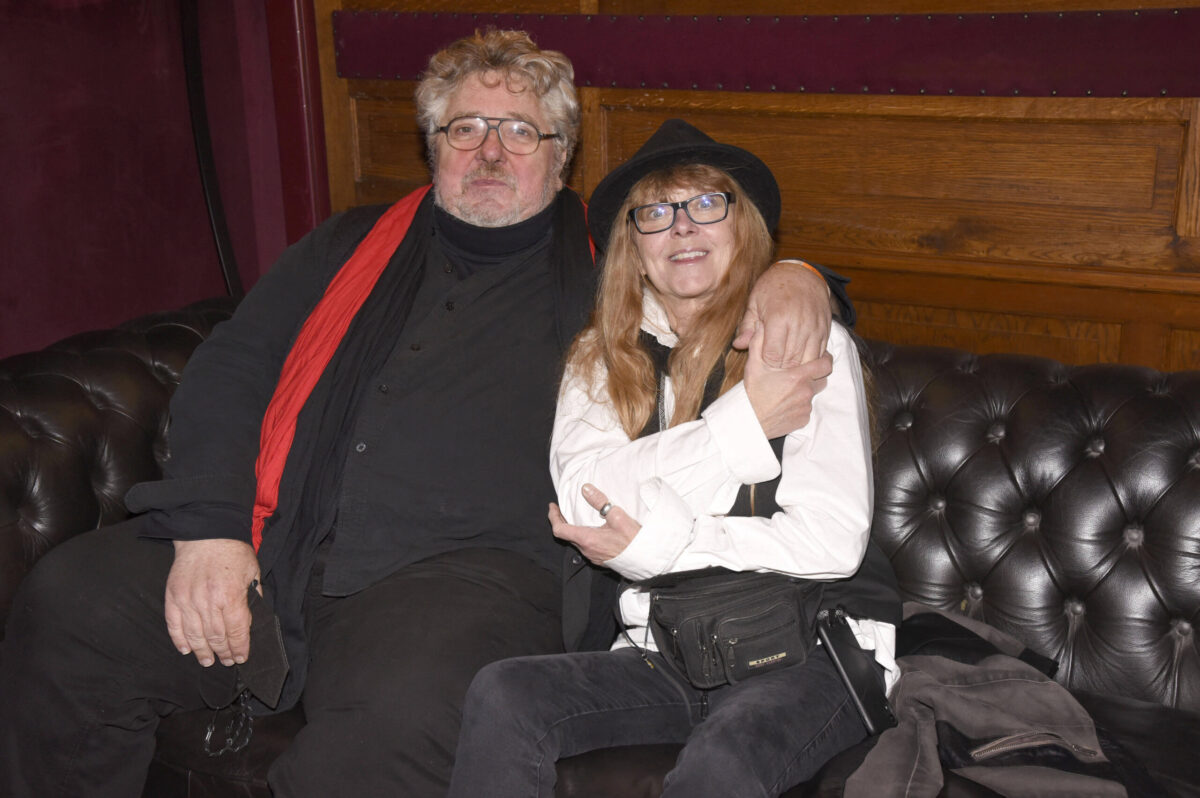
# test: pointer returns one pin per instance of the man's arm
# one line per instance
(204, 502)
(207, 490)
(782, 397)
(839, 299)
(792, 305)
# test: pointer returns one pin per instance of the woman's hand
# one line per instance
(598, 543)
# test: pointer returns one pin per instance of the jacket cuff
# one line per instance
(166, 494)
(665, 533)
(198, 508)
(207, 523)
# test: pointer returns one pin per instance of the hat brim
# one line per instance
(743, 166)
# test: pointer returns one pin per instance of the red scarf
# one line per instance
(313, 348)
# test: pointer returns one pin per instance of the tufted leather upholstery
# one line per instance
(1060, 504)
(80, 422)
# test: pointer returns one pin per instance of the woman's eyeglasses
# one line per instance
(704, 209)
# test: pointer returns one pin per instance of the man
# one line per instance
(364, 446)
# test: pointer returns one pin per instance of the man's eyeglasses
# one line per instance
(704, 209)
(516, 135)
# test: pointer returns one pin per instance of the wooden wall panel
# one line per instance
(1067, 340)
(389, 153)
(1183, 349)
(997, 181)
(1066, 227)
(1046, 226)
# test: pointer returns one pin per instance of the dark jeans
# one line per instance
(87, 669)
(758, 738)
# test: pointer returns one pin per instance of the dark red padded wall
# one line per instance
(101, 209)
(1136, 53)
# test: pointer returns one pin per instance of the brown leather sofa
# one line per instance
(1060, 504)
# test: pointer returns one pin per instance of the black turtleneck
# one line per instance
(470, 248)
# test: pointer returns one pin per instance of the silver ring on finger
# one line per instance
(604, 511)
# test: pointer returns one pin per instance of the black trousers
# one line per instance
(87, 670)
(755, 739)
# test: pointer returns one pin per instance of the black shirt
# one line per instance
(449, 448)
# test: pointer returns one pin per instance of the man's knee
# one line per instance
(50, 597)
(81, 596)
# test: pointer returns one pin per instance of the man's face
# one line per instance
(490, 186)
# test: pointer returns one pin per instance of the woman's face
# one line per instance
(687, 262)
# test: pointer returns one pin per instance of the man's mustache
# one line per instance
(490, 172)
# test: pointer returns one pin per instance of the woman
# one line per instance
(702, 463)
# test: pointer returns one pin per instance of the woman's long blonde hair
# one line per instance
(611, 337)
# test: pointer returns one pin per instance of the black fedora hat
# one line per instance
(677, 142)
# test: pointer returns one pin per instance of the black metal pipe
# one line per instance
(193, 70)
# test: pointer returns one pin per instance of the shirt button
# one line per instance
(383, 387)
(360, 447)
(415, 347)
(449, 306)
(447, 268)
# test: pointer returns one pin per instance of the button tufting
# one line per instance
(1134, 534)
(1095, 447)
(1181, 627)
(903, 420)
(1074, 607)
(937, 503)
(1194, 461)
(996, 432)
(975, 591)
(1032, 519)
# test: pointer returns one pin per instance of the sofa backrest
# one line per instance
(1060, 504)
(82, 421)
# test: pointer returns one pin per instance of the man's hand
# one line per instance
(206, 608)
(598, 543)
(790, 307)
(782, 398)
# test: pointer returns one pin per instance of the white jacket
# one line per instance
(680, 483)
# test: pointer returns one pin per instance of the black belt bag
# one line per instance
(720, 627)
